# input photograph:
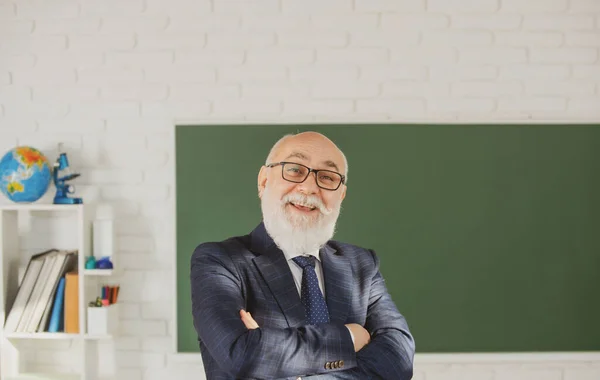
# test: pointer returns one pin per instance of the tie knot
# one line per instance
(304, 261)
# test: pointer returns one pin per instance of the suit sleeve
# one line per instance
(217, 297)
(390, 354)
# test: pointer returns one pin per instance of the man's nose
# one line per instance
(309, 186)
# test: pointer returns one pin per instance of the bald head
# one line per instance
(299, 147)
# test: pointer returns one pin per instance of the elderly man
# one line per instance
(285, 301)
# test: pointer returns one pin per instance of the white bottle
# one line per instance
(103, 233)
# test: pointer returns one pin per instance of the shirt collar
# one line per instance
(316, 254)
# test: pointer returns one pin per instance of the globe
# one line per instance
(24, 174)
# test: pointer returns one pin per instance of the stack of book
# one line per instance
(47, 299)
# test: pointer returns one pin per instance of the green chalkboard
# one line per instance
(489, 235)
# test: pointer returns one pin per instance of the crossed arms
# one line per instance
(248, 352)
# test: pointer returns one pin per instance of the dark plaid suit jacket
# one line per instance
(250, 272)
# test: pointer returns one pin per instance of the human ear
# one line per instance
(262, 180)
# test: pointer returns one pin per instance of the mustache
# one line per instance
(310, 200)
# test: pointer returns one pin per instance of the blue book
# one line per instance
(56, 319)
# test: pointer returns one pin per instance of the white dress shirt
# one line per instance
(297, 271)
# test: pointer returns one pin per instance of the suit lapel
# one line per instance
(338, 278)
(274, 269)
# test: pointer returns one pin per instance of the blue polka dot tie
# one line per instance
(311, 296)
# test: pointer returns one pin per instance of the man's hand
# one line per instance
(361, 336)
(248, 320)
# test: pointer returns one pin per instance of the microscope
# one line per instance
(60, 180)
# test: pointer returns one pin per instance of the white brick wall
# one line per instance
(110, 78)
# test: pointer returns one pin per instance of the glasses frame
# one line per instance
(316, 171)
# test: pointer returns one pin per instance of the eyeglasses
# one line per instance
(298, 173)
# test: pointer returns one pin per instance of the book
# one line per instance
(24, 292)
(37, 290)
(72, 303)
(56, 319)
(65, 262)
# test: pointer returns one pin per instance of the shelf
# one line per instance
(98, 272)
(45, 376)
(55, 336)
(39, 207)
(41, 335)
(47, 225)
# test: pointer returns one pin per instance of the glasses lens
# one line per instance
(329, 180)
(294, 172)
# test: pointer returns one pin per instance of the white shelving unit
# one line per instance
(14, 363)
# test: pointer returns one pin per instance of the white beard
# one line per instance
(297, 234)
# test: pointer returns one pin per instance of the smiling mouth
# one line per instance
(302, 207)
